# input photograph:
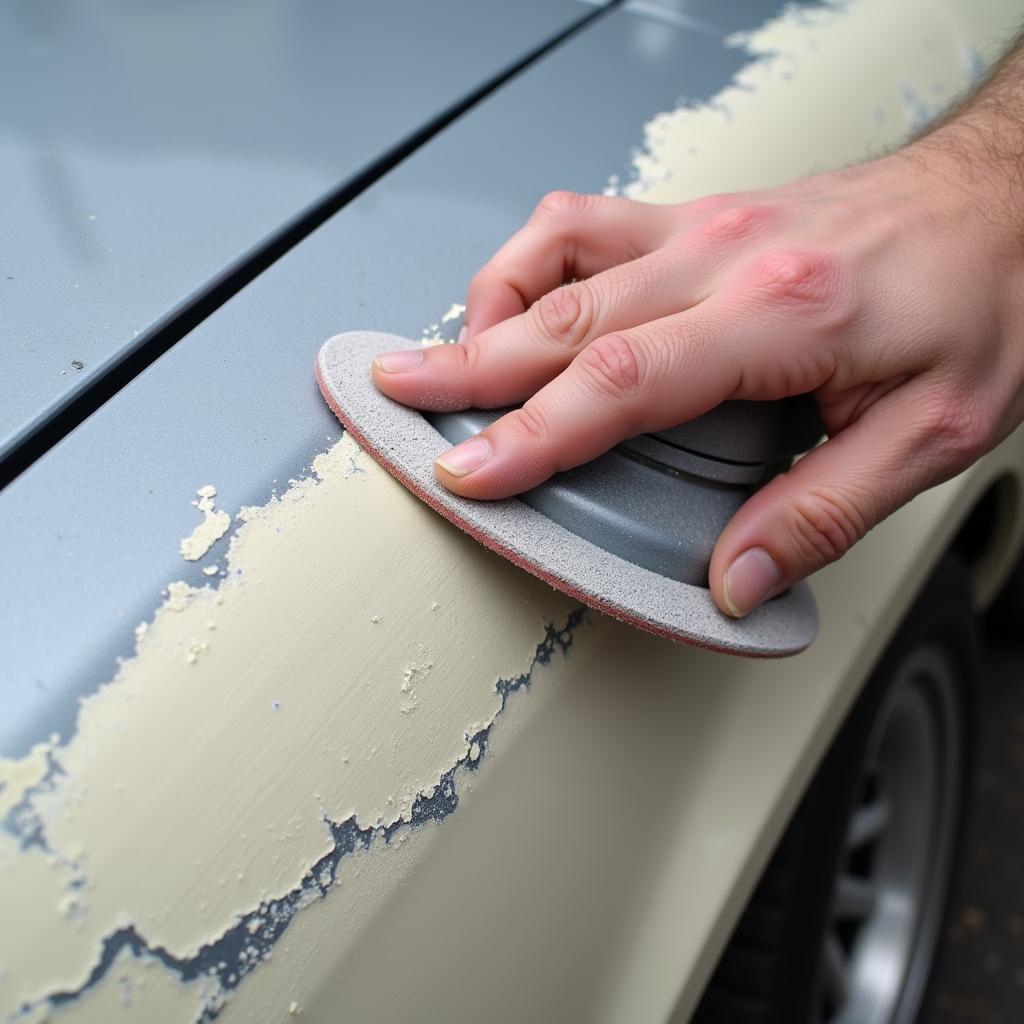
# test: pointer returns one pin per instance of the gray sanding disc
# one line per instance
(406, 445)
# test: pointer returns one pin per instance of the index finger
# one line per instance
(623, 384)
(568, 236)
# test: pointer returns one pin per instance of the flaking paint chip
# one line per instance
(214, 525)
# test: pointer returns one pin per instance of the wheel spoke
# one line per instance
(867, 824)
(855, 898)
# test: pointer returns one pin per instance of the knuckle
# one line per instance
(808, 282)
(824, 523)
(796, 277)
(958, 431)
(565, 315)
(465, 357)
(529, 424)
(557, 205)
(734, 223)
(612, 366)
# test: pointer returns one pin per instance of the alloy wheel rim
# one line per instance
(886, 905)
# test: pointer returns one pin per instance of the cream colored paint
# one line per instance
(136, 990)
(832, 85)
(598, 860)
(19, 776)
(253, 710)
(607, 840)
(214, 525)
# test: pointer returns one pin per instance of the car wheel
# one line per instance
(843, 925)
(1004, 618)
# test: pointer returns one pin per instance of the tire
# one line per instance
(812, 946)
(1006, 616)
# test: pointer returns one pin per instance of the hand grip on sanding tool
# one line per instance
(629, 534)
(661, 500)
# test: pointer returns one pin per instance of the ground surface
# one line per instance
(980, 968)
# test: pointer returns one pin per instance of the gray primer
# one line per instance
(154, 148)
(404, 442)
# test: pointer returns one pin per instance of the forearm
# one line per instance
(984, 134)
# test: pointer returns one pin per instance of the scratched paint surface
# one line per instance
(325, 703)
(355, 713)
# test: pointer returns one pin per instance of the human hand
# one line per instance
(891, 290)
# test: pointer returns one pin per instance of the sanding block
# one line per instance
(630, 533)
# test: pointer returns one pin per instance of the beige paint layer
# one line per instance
(18, 777)
(597, 866)
(342, 665)
(214, 525)
(136, 989)
(832, 85)
(336, 671)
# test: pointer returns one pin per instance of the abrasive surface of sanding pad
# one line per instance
(406, 445)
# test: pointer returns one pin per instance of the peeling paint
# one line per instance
(222, 963)
(189, 737)
(730, 142)
(17, 777)
(214, 525)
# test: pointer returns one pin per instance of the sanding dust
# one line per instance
(412, 676)
(214, 525)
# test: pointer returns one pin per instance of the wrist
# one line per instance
(969, 172)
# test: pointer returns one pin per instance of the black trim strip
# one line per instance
(77, 407)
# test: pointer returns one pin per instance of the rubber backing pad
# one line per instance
(406, 445)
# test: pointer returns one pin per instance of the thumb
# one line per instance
(815, 512)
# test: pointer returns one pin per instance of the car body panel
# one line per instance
(235, 402)
(589, 861)
(152, 148)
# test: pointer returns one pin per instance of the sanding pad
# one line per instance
(406, 445)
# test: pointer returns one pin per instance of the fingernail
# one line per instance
(399, 362)
(750, 580)
(463, 334)
(466, 457)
